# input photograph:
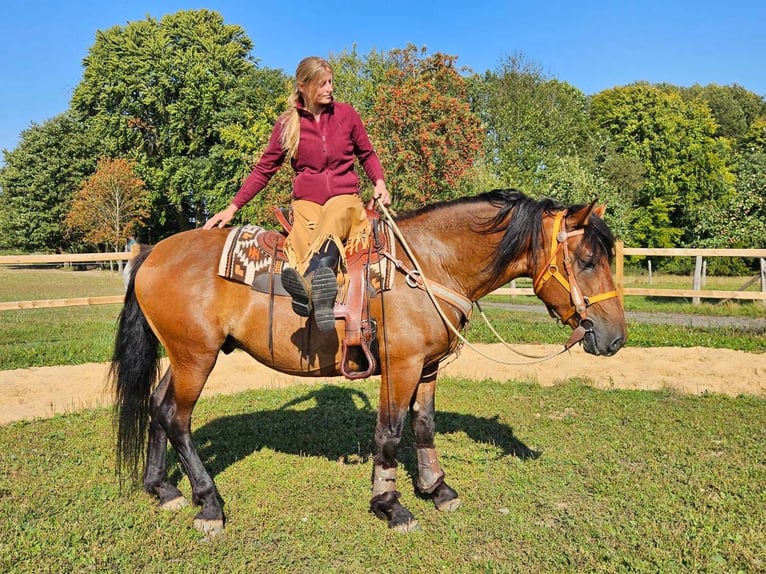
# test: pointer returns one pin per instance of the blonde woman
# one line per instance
(322, 139)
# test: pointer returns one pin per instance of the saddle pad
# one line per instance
(248, 257)
(249, 253)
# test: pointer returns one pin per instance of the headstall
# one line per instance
(560, 244)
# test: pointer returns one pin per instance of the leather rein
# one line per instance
(579, 302)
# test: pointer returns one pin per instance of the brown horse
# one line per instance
(466, 248)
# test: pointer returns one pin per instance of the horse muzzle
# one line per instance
(602, 342)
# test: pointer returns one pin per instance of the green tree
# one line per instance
(686, 167)
(531, 121)
(160, 92)
(734, 108)
(110, 205)
(38, 180)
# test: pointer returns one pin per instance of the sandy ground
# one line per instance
(45, 391)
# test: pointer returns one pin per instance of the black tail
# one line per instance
(135, 368)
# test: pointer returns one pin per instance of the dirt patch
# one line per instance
(46, 391)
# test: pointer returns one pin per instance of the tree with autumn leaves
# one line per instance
(110, 205)
(425, 132)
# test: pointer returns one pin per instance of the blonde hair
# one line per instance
(308, 69)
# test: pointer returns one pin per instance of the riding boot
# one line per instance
(299, 289)
(324, 285)
(318, 287)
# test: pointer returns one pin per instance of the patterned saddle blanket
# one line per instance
(254, 256)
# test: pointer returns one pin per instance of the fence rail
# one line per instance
(620, 253)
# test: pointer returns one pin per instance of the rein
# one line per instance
(417, 278)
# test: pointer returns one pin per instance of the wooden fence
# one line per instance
(696, 293)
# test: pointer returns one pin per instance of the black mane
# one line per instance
(520, 218)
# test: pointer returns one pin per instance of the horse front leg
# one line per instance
(430, 482)
(395, 395)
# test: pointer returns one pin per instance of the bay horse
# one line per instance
(467, 247)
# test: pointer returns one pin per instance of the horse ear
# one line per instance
(581, 217)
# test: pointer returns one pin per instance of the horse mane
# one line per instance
(520, 218)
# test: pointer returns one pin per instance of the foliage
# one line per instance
(38, 180)
(110, 205)
(734, 108)
(531, 122)
(161, 92)
(425, 132)
(686, 168)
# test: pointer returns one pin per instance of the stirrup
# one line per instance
(295, 285)
(324, 290)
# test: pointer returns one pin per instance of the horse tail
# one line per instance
(134, 369)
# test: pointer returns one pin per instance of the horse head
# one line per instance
(575, 282)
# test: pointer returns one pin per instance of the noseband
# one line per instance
(580, 302)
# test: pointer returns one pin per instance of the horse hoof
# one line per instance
(449, 505)
(406, 527)
(175, 504)
(209, 527)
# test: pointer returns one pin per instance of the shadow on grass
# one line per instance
(335, 423)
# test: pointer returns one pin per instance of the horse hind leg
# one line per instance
(173, 412)
(156, 468)
(430, 481)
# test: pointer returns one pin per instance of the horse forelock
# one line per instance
(597, 237)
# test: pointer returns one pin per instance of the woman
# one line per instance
(321, 138)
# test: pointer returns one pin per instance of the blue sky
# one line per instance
(591, 45)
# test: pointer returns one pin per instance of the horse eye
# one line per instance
(588, 264)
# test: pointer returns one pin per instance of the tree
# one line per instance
(161, 92)
(423, 127)
(733, 107)
(686, 167)
(531, 121)
(38, 180)
(110, 205)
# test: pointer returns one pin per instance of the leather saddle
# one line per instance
(364, 280)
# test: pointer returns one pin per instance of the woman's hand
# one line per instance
(381, 193)
(221, 218)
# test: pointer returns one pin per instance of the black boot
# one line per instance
(324, 286)
(317, 289)
(299, 290)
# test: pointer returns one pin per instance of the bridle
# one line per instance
(579, 302)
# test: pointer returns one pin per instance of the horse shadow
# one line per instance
(335, 423)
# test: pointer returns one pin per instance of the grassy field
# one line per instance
(628, 481)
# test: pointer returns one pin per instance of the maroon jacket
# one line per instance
(324, 166)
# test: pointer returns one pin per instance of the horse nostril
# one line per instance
(616, 345)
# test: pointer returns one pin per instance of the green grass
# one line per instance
(29, 284)
(629, 481)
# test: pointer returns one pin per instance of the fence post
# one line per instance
(697, 278)
(763, 278)
(619, 270)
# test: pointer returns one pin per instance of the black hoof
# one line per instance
(295, 285)
(445, 498)
(324, 290)
(387, 507)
